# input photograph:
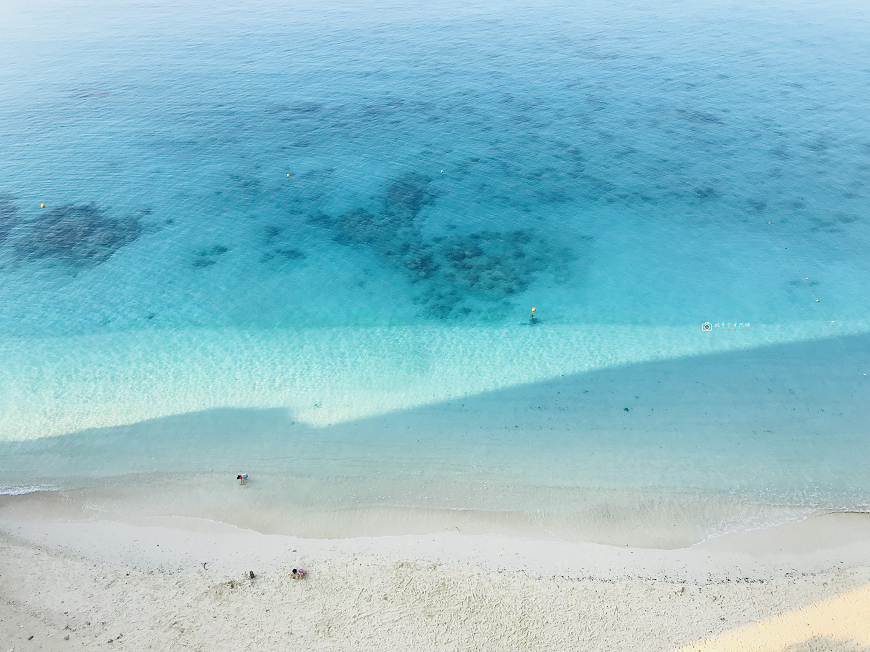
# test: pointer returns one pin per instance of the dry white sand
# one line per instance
(183, 584)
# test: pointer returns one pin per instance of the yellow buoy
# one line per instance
(534, 309)
(42, 205)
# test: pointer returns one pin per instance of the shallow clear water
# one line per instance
(335, 221)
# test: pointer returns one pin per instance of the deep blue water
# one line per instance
(348, 211)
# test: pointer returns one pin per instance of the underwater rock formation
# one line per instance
(452, 271)
(79, 235)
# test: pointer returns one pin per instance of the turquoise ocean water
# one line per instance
(304, 242)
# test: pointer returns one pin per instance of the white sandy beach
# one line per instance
(183, 584)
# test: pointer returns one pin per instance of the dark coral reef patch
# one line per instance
(208, 257)
(290, 254)
(453, 272)
(8, 216)
(487, 266)
(79, 235)
(407, 195)
(699, 117)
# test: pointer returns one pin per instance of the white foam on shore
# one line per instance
(324, 376)
(23, 490)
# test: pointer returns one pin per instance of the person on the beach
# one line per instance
(241, 478)
(298, 573)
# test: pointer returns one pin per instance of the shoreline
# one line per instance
(817, 543)
(666, 519)
(143, 585)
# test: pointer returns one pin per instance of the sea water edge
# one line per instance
(642, 182)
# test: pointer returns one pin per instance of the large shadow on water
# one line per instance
(785, 426)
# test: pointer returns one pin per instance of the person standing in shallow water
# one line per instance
(242, 478)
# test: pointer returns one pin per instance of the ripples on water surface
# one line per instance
(337, 220)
